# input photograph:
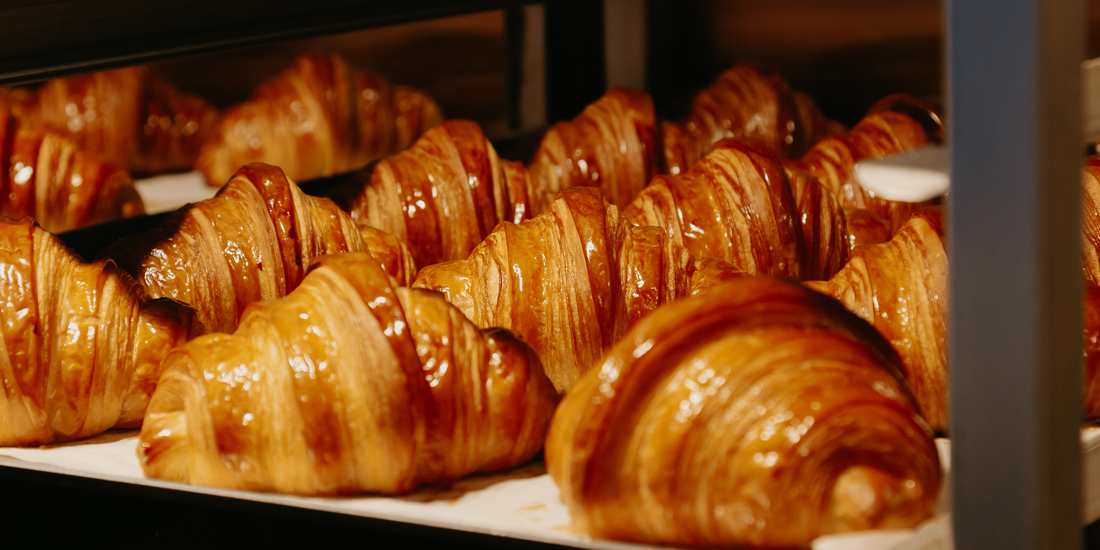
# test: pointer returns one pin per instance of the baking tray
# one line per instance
(520, 507)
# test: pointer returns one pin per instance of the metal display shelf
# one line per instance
(46, 39)
(1014, 115)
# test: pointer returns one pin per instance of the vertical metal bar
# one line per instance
(1014, 95)
(532, 97)
(624, 24)
(525, 39)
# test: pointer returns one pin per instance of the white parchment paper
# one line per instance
(523, 503)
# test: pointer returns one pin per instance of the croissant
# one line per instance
(1090, 229)
(82, 344)
(570, 281)
(129, 116)
(1092, 350)
(391, 253)
(735, 205)
(318, 118)
(443, 195)
(1090, 218)
(44, 174)
(610, 145)
(757, 414)
(901, 288)
(251, 242)
(743, 102)
(824, 225)
(865, 227)
(895, 124)
(347, 384)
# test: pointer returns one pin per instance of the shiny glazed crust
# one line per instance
(895, 124)
(249, 243)
(1092, 350)
(45, 175)
(757, 414)
(129, 116)
(610, 145)
(571, 281)
(1090, 229)
(735, 205)
(348, 384)
(901, 288)
(1090, 218)
(444, 195)
(747, 102)
(318, 118)
(82, 344)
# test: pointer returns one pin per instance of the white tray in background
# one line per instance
(521, 504)
(167, 192)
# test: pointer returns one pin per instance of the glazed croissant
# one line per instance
(443, 195)
(1090, 218)
(570, 281)
(44, 174)
(744, 102)
(829, 230)
(249, 243)
(865, 227)
(611, 145)
(318, 118)
(735, 205)
(825, 228)
(1092, 350)
(1090, 229)
(895, 124)
(901, 288)
(129, 116)
(757, 414)
(391, 253)
(82, 343)
(347, 384)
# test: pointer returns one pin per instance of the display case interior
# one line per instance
(514, 68)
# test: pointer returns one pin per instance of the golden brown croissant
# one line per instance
(347, 384)
(82, 344)
(757, 414)
(901, 288)
(391, 253)
(1090, 229)
(895, 124)
(735, 205)
(570, 281)
(44, 174)
(611, 145)
(251, 242)
(443, 195)
(826, 231)
(318, 118)
(865, 227)
(743, 102)
(1092, 350)
(1090, 218)
(127, 115)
